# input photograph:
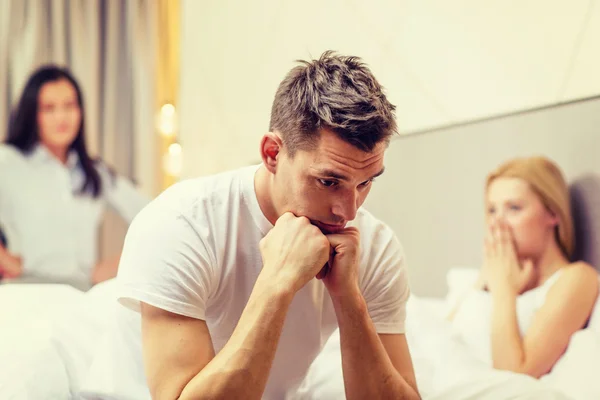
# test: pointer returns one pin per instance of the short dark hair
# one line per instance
(335, 92)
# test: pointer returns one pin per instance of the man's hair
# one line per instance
(335, 92)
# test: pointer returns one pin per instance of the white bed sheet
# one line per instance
(31, 367)
(445, 370)
(59, 328)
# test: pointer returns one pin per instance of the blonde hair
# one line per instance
(547, 181)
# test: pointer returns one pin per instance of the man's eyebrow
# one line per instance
(328, 173)
(379, 173)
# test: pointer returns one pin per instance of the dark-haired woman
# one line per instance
(52, 193)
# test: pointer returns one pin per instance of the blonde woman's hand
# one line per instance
(502, 270)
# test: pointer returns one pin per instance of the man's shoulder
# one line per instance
(377, 237)
(371, 227)
(188, 196)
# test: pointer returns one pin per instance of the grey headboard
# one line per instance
(432, 191)
(585, 198)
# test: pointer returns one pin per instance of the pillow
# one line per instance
(459, 281)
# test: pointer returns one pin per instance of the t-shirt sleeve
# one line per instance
(385, 284)
(165, 264)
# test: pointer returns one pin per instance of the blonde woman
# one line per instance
(530, 298)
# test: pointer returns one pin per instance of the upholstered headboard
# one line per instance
(585, 198)
(432, 191)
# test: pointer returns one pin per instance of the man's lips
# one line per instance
(328, 228)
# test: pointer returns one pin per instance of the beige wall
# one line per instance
(442, 62)
(431, 193)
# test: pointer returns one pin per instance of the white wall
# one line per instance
(441, 61)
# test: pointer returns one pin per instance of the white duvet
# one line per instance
(47, 343)
(445, 370)
(30, 366)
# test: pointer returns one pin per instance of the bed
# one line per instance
(48, 335)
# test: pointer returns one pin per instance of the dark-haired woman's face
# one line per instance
(59, 115)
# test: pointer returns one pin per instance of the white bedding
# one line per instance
(445, 368)
(48, 335)
(54, 330)
(31, 367)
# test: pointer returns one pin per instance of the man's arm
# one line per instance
(179, 357)
(375, 366)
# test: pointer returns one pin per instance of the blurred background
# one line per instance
(183, 88)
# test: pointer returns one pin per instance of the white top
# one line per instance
(48, 222)
(194, 251)
(473, 320)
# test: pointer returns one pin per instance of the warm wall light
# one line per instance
(167, 120)
(169, 157)
(175, 149)
(173, 160)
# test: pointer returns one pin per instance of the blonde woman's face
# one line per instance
(513, 201)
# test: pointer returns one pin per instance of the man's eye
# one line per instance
(327, 182)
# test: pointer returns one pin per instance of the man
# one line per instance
(222, 269)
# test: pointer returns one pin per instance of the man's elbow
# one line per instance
(165, 392)
(523, 368)
(414, 395)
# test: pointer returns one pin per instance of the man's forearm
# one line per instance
(242, 367)
(368, 370)
(507, 344)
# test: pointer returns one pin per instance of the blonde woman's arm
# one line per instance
(567, 308)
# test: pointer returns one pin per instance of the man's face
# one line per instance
(327, 184)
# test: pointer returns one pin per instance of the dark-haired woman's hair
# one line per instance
(23, 130)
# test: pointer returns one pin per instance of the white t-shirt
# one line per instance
(194, 251)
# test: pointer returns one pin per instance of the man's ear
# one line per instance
(271, 146)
